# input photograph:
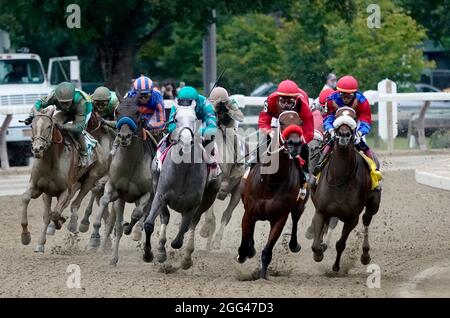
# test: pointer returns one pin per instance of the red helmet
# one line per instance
(287, 88)
(324, 95)
(347, 84)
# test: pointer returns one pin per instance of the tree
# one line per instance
(114, 31)
(248, 47)
(371, 54)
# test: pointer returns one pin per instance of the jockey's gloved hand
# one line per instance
(331, 133)
(28, 120)
(358, 137)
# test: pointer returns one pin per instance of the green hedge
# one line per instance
(440, 139)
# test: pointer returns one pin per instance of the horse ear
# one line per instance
(50, 110)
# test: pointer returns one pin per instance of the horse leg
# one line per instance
(209, 225)
(149, 226)
(109, 226)
(186, 221)
(46, 218)
(138, 212)
(137, 230)
(247, 248)
(165, 216)
(63, 202)
(317, 247)
(276, 227)
(187, 260)
(331, 226)
(340, 245)
(293, 244)
(75, 206)
(110, 195)
(372, 207)
(226, 216)
(84, 224)
(26, 198)
(119, 206)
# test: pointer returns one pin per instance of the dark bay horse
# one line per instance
(272, 196)
(182, 185)
(343, 191)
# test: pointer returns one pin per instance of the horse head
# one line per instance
(185, 119)
(42, 130)
(291, 136)
(128, 120)
(345, 125)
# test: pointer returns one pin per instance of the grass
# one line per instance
(400, 143)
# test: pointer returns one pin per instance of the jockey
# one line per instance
(204, 112)
(347, 94)
(289, 96)
(150, 103)
(75, 109)
(105, 102)
(228, 112)
(203, 109)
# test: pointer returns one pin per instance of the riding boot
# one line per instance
(83, 150)
(326, 151)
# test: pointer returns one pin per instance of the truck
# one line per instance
(22, 82)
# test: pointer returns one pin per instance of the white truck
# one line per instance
(22, 82)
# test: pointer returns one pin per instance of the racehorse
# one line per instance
(182, 185)
(130, 176)
(272, 196)
(105, 135)
(343, 190)
(55, 173)
(232, 147)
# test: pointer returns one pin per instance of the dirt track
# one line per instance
(410, 233)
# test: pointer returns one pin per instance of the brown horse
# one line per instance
(272, 195)
(343, 190)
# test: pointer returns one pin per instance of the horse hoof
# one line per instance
(107, 245)
(186, 264)
(59, 223)
(295, 249)
(309, 233)
(336, 268)
(83, 227)
(221, 195)
(113, 261)
(365, 259)
(318, 257)
(324, 247)
(241, 259)
(39, 248)
(177, 244)
(72, 227)
(161, 257)
(51, 229)
(94, 241)
(127, 228)
(147, 257)
(26, 238)
(137, 235)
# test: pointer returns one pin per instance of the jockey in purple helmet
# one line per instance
(150, 103)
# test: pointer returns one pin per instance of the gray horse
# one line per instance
(182, 185)
(130, 176)
(233, 148)
(55, 173)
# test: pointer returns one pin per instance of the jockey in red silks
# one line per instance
(347, 94)
(317, 109)
(289, 97)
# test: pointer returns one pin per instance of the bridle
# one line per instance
(47, 141)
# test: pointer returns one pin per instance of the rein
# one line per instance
(47, 141)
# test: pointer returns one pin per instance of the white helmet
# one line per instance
(218, 94)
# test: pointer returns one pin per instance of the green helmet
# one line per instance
(188, 92)
(64, 92)
(101, 93)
